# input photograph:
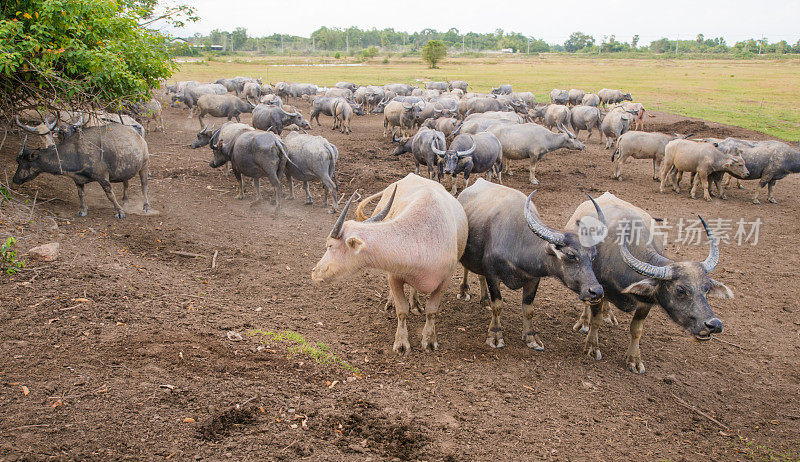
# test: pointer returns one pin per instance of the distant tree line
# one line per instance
(356, 40)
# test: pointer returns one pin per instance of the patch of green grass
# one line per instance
(9, 263)
(762, 453)
(295, 343)
(755, 94)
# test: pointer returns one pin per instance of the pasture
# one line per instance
(196, 332)
(758, 95)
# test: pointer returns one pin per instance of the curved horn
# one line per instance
(27, 128)
(24, 143)
(540, 229)
(336, 232)
(600, 215)
(645, 269)
(380, 216)
(470, 150)
(436, 150)
(713, 254)
(249, 102)
(290, 114)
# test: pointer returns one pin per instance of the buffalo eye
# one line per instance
(681, 291)
(571, 256)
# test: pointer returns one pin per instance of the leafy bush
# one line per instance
(370, 52)
(433, 52)
(8, 257)
(337, 55)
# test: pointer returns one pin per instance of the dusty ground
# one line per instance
(144, 369)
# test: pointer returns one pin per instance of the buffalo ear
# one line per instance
(644, 290)
(356, 244)
(719, 290)
(553, 250)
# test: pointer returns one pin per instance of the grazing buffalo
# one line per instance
(417, 238)
(346, 85)
(559, 96)
(504, 89)
(255, 154)
(508, 243)
(401, 89)
(576, 96)
(612, 96)
(457, 85)
(438, 86)
(471, 154)
(636, 276)
(557, 116)
(342, 113)
(585, 118)
(107, 154)
(701, 160)
(399, 114)
(312, 158)
(614, 124)
(531, 141)
(222, 106)
(591, 99)
(642, 145)
(276, 119)
(446, 125)
(421, 148)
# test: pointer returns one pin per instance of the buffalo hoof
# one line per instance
(429, 342)
(466, 296)
(401, 347)
(82, 213)
(534, 181)
(533, 341)
(772, 201)
(656, 179)
(756, 201)
(146, 208)
(740, 186)
(495, 340)
(332, 210)
(120, 214)
(608, 318)
(239, 196)
(594, 352)
(309, 202)
(636, 366)
(581, 325)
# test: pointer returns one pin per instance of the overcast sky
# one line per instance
(552, 21)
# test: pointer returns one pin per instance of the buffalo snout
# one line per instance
(592, 293)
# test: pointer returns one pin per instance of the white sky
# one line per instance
(552, 21)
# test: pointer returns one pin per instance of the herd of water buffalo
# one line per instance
(488, 229)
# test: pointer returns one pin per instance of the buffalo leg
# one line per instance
(484, 290)
(276, 183)
(401, 345)
(495, 337)
(113, 198)
(634, 356)
(770, 190)
(125, 185)
(143, 180)
(84, 209)
(529, 335)
(291, 187)
(240, 184)
(454, 189)
(534, 161)
(429, 340)
(330, 187)
(309, 201)
(656, 168)
(257, 186)
(582, 324)
(463, 289)
(592, 346)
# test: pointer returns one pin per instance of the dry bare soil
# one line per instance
(144, 369)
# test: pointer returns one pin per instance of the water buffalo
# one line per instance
(107, 154)
(421, 148)
(636, 276)
(559, 96)
(425, 259)
(701, 160)
(457, 85)
(591, 99)
(483, 104)
(252, 90)
(614, 124)
(508, 243)
(576, 96)
(477, 153)
(401, 89)
(339, 93)
(637, 110)
(767, 161)
(438, 86)
(276, 119)
(399, 114)
(346, 85)
(255, 154)
(642, 145)
(612, 96)
(526, 97)
(446, 125)
(558, 117)
(585, 118)
(531, 141)
(322, 105)
(342, 113)
(228, 106)
(312, 158)
(504, 89)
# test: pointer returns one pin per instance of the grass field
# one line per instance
(759, 95)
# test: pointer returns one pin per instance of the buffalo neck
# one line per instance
(793, 161)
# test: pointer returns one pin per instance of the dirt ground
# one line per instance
(119, 349)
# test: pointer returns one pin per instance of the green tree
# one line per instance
(433, 52)
(700, 38)
(90, 54)
(238, 38)
(578, 41)
(635, 41)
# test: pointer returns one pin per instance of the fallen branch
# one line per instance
(692, 408)
(727, 343)
(30, 217)
(214, 259)
(187, 254)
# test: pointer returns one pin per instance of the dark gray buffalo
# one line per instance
(471, 154)
(312, 158)
(322, 105)
(439, 86)
(613, 96)
(421, 148)
(346, 85)
(504, 89)
(457, 85)
(228, 106)
(636, 276)
(509, 244)
(559, 96)
(108, 154)
(276, 119)
(255, 154)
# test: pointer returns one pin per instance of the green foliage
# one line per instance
(77, 54)
(337, 55)
(370, 52)
(385, 60)
(8, 257)
(5, 194)
(238, 38)
(297, 344)
(433, 52)
(578, 41)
